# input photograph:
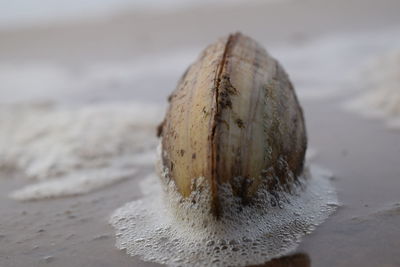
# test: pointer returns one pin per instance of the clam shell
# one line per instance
(234, 118)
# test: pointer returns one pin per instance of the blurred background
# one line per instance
(118, 49)
(83, 85)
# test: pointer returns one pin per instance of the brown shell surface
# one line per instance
(234, 118)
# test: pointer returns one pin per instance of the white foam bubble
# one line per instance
(81, 148)
(381, 99)
(329, 66)
(167, 229)
(80, 182)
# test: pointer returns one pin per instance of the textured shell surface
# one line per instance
(234, 118)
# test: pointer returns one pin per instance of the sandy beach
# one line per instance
(138, 57)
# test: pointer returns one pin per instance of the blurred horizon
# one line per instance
(20, 13)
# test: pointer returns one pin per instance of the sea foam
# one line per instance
(165, 228)
(381, 97)
(75, 150)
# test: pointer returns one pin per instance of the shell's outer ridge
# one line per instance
(188, 123)
(214, 155)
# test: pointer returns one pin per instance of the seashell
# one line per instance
(233, 118)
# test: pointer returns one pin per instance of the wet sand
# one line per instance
(364, 230)
(362, 154)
